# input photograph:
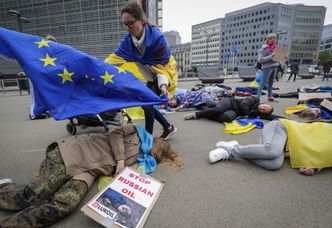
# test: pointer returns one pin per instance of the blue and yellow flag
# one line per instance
(243, 125)
(71, 83)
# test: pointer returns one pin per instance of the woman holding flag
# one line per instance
(145, 53)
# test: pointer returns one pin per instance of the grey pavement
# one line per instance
(226, 194)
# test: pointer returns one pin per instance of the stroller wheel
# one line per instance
(71, 128)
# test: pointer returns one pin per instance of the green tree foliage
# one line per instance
(324, 56)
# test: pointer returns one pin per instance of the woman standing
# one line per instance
(269, 66)
(144, 52)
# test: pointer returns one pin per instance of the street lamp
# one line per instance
(63, 28)
(20, 19)
(207, 47)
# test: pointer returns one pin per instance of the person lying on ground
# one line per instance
(69, 169)
(315, 110)
(197, 99)
(228, 109)
(309, 147)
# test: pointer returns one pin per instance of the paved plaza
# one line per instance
(226, 194)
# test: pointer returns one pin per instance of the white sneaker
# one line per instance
(218, 154)
(5, 181)
(224, 144)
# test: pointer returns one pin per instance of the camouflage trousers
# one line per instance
(48, 197)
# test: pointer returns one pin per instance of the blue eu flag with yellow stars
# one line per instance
(69, 82)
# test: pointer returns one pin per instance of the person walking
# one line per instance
(269, 66)
(294, 71)
(145, 52)
(327, 68)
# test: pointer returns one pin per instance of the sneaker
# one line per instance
(226, 145)
(190, 116)
(218, 154)
(168, 133)
(4, 182)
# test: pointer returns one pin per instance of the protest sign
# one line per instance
(126, 201)
(280, 54)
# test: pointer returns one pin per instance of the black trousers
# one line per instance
(221, 113)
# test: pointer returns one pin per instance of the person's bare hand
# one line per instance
(164, 90)
(119, 167)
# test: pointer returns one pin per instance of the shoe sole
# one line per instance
(4, 182)
(171, 134)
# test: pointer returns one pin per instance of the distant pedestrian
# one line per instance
(294, 70)
(327, 68)
(269, 66)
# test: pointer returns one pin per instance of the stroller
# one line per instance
(115, 117)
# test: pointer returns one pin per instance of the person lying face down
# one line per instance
(69, 169)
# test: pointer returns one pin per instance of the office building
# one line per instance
(326, 41)
(173, 37)
(242, 33)
(205, 43)
(182, 55)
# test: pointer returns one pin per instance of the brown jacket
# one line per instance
(87, 156)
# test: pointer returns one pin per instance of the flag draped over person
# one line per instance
(157, 54)
(71, 83)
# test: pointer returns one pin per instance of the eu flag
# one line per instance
(70, 83)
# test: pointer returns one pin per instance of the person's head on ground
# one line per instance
(133, 18)
(50, 38)
(163, 153)
(173, 102)
(265, 109)
(310, 113)
(124, 210)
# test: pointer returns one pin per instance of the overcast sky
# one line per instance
(180, 15)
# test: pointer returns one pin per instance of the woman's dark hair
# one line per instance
(135, 9)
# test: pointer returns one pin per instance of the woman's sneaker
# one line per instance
(4, 182)
(218, 154)
(168, 133)
(227, 145)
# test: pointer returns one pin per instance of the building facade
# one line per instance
(93, 27)
(326, 41)
(173, 37)
(242, 33)
(205, 42)
(298, 27)
(182, 55)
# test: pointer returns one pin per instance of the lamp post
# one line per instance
(207, 47)
(20, 19)
(64, 32)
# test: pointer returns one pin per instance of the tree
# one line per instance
(324, 56)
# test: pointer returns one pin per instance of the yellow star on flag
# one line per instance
(66, 76)
(107, 78)
(121, 70)
(42, 43)
(48, 60)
